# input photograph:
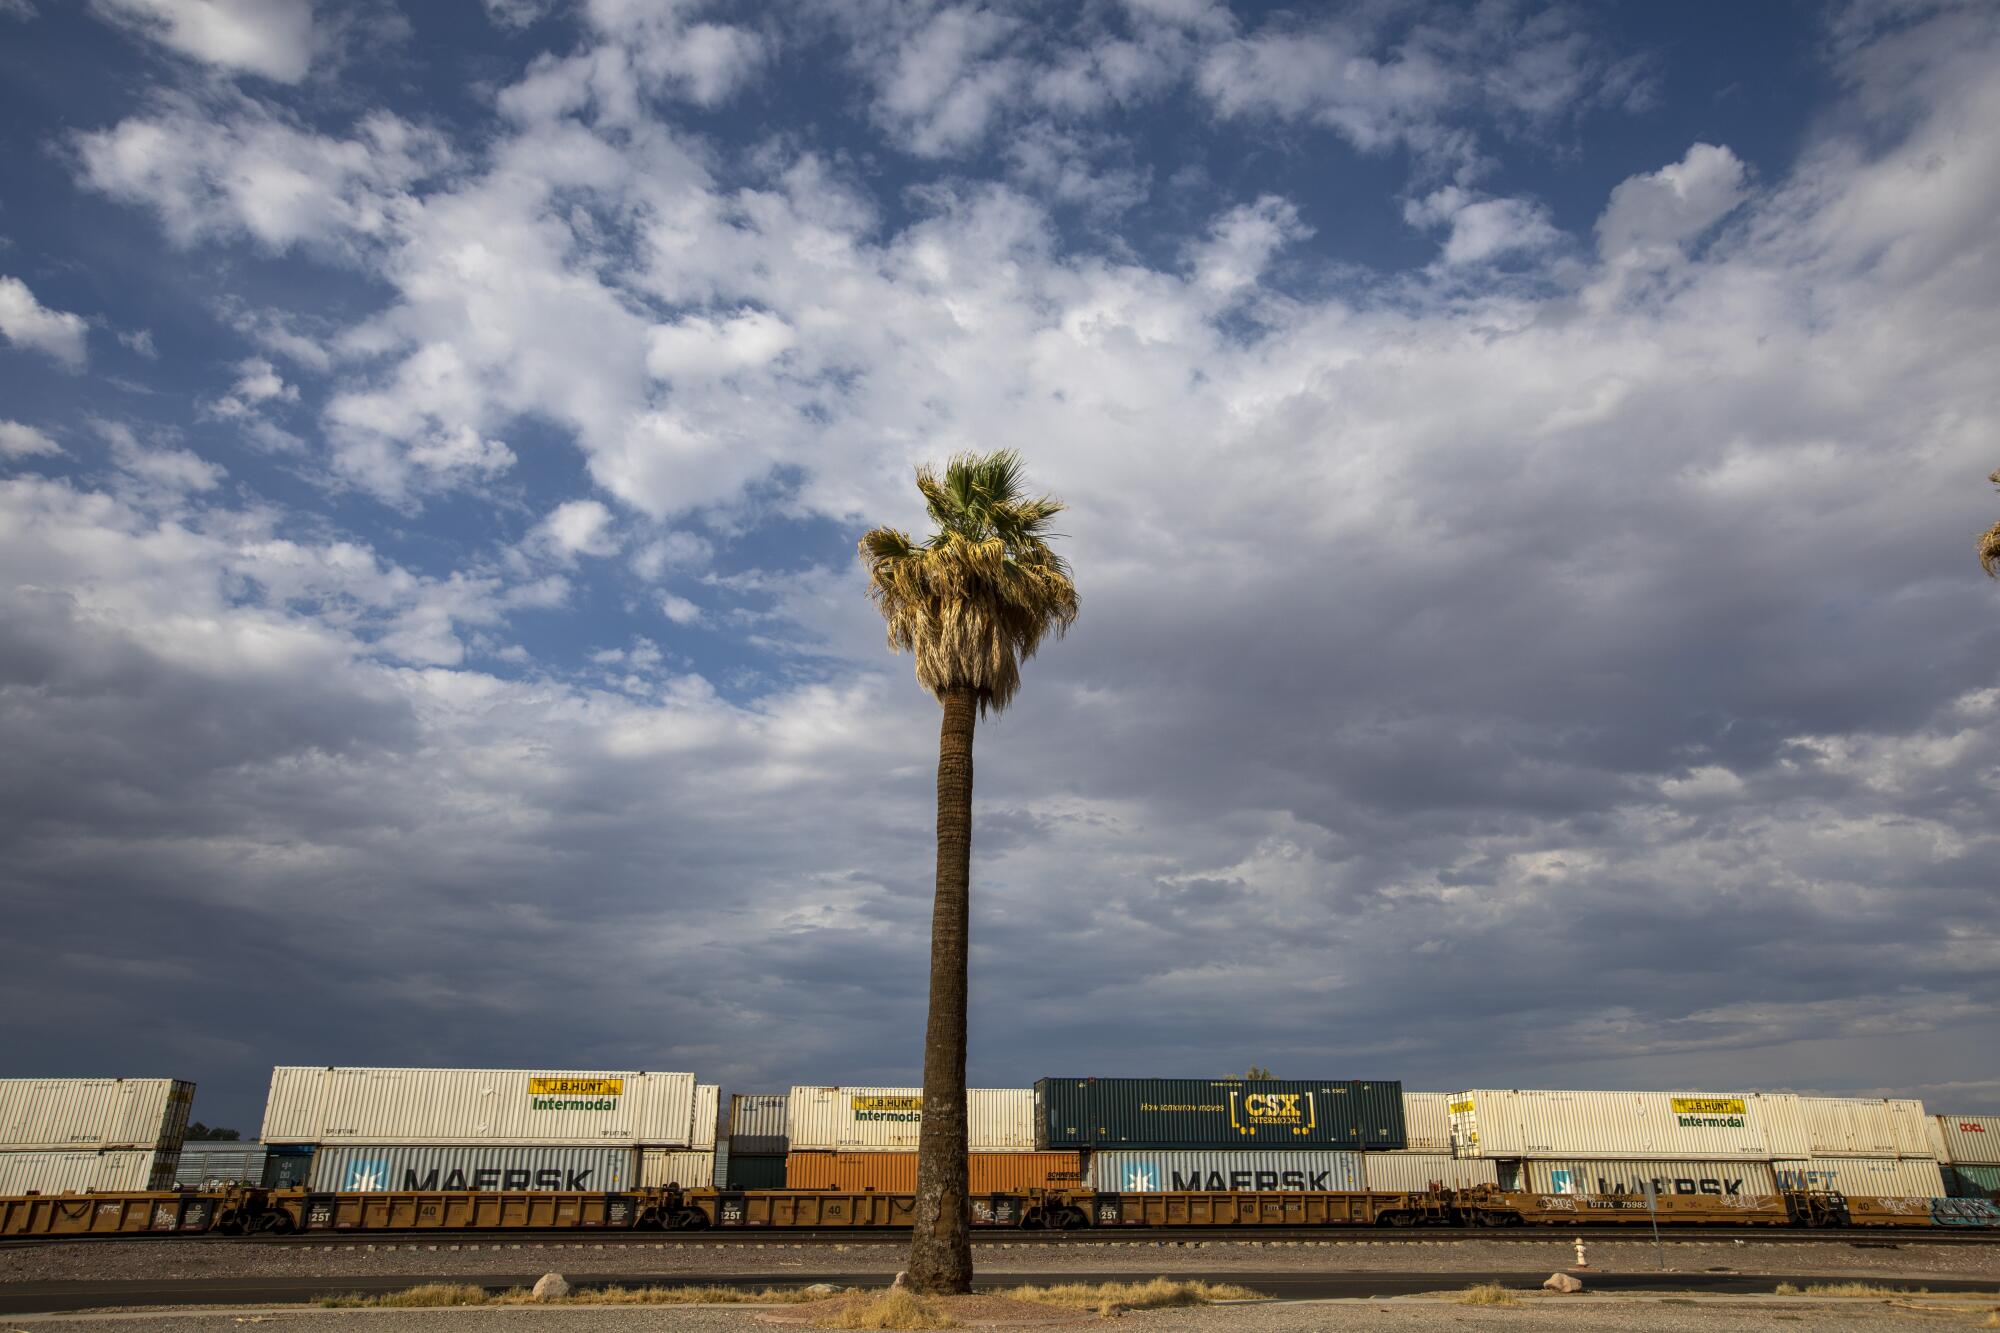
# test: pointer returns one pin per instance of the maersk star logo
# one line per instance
(1141, 1177)
(365, 1176)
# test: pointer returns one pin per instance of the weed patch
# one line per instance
(1110, 1297)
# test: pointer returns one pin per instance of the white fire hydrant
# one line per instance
(1581, 1261)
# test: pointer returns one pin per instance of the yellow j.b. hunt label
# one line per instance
(576, 1087)
(1252, 1111)
(888, 1103)
(1708, 1106)
(1459, 1108)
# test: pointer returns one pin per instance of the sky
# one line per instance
(1523, 467)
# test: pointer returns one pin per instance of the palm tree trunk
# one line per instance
(941, 1245)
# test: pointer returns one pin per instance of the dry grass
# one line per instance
(893, 1309)
(1486, 1293)
(1111, 1297)
(1848, 1289)
(433, 1294)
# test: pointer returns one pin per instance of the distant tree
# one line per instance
(972, 601)
(1258, 1072)
(200, 1133)
(1989, 543)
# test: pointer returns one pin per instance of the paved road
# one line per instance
(44, 1297)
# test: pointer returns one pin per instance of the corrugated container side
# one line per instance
(757, 1171)
(402, 1167)
(896, 1172)
(1969, 1180)
(1426, 1123)
(1865, 1127)
(77, 1113)
(61, 1171)
(1411, 1172)
(1232, 1171)
(471, 1107)
(1884, 1177)
(757, 1122)
(851, 1119)
(1973, 1139)
(675, 1166)
(218, 1162)
(1690, 1126)
(707, 1110)
(1784, 1121)
(1725, 1179)
(1219, 1113)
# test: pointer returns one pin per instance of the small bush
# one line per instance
(894, 1309)
(1486, 1293)
(1108, 1297)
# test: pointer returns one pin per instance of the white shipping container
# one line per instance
(757, 1123)
(668, 1166)
(149, 1113)
(66, 1172)
(1865, 1127)
(529, 1107)
(1408, 1172)
(1971, 1139)
(1426, 1122)
(1728, 1180)
(214, 1162)
(414, 1168)
(1692, 1126)
(1231, 1171)
(847, 1119)
(707, 1110)
(1864, 1177)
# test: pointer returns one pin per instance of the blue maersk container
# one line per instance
(1218, 1113)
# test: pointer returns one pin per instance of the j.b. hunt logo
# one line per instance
(575, 1094)
(1709, 1112)
(893, 1110)
(1296, 1111)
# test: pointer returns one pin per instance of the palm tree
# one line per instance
(1989, 543)
(971, 602)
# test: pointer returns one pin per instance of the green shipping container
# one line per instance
(1973, 1182)
(756, 1173)
(1218, 1113)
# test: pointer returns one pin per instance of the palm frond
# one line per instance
(1989, 542)
(978, 596)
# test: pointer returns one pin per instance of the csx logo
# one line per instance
(1269, 1105)
(1273, 1110)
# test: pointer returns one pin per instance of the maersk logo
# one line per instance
(366, 1177)
(1142, 1177)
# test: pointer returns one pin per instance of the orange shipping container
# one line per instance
(896, 1172)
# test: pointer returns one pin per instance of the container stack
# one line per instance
(213, 1163)
(1427, 1161)
(1968, 1146)
(1722, 1144)
(859, 1138)
(369, 1130)
(72, 1135)
(1153, 1135)
(752, 1155)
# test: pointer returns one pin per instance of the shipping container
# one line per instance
(406, 1168)
(1724, 1179)
(691, 1170)
(1877, 1177)
(470, 1107)
(1689, 1126)
(757, 1123)
(123, 1113)
(755, 1171)
(1218, 1113)
(1970, 1180)
(896, 1172)
(211, 1162)
(1863, 1127)
(1426, 1122)
(845, 1119)
(707, 1117)
(59, 1171)
(1411, 1172)
(1228, 1171)
(287, 1166)
(1973, 1139)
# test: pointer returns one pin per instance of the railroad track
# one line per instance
(1166, 1237)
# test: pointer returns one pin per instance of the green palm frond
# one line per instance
(978, 596)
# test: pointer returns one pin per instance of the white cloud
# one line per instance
(1483, 228)
(142, 343)
(273, 38)
(579, 527)
(1655, 216)
(680, 610)
(26, 322)
(17, 9)
(18, 440)
(699, 348)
